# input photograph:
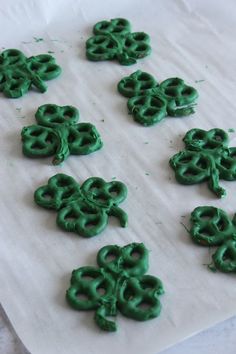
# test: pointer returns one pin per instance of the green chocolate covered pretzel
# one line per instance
(83, 210)
(118, 283)
(114, 40)
(58, 133)
(150, 102)
(212, 227)
(207, 157)
(19, 73)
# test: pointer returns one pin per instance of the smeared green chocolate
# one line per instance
(113, 40)
(118, 283)
(58, 134)
(84, 210)
(207, 158)
(19, 73)
(150, 102)
(212, 227)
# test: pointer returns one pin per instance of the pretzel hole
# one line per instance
(144, 305)
(91, 224)
(147, 284)
(190, 172)
(110, 45)
(35, 66)
(85, 141)
(173, 82)
(128, 43)
(50, 68)
(101, 290)
(146, 85)
(228, 256)
(140, 101)
(226, 163)
(68, 113)
(210, 145)
(150, 112)
(99, 39)
(2, 78)
(141, 47)
(205, 231)
(83, 128)
(57, 120)
(88, 211)
(135, 254)
(43, 58)
(37, 146)
(81, 296)
(103, 25)
(114, 191)
(47, 196)
(185, 159)
(71, 216)
(63, 181)
(129, 294)
(187, 91)
(36, 132)
(121, 22)
(67, 194)
(171, 92)
(201, 163)
(221, 225)
(198, 135)
(99, 50)
(139, 36)
(118, 29)
(13, 53)
(14, 86)
(206, 215)
(50, 110)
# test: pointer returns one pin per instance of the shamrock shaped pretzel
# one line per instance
(119, 282)
(149, 102)
(58, 134)
(207, 158)
(83, 210)
(113, 40)
(18, 73)
(212, 227)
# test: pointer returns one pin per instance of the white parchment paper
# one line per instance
(194, 40)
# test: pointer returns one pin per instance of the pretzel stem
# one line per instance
(102, 321)
(120, 214)
(214, 179)
(63, 150)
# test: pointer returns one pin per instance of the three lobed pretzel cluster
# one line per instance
(118, 283)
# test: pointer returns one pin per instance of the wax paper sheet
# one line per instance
(193, 40)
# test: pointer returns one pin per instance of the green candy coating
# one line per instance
(58, 134)
(212, 227)
(119, 283)
(150, 102)
(83, 210)
(207, 158)
(113, 40)
(18, 73)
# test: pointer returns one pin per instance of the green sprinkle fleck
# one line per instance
(231, 130)
(113, 178)
(146, 142)
(50, 52)
(197, 81)
(18, 109)
(146, 173)
(38, 39)
(102, 120)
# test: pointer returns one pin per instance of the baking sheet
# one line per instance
(194, 40)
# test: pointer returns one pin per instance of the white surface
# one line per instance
(189, 40)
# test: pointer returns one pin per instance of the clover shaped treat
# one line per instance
(58, 134)
(19, 73)
(118, 283)
(207, 158)
(83, 210)
(114, 40)
(150, 102)
(212, 227)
